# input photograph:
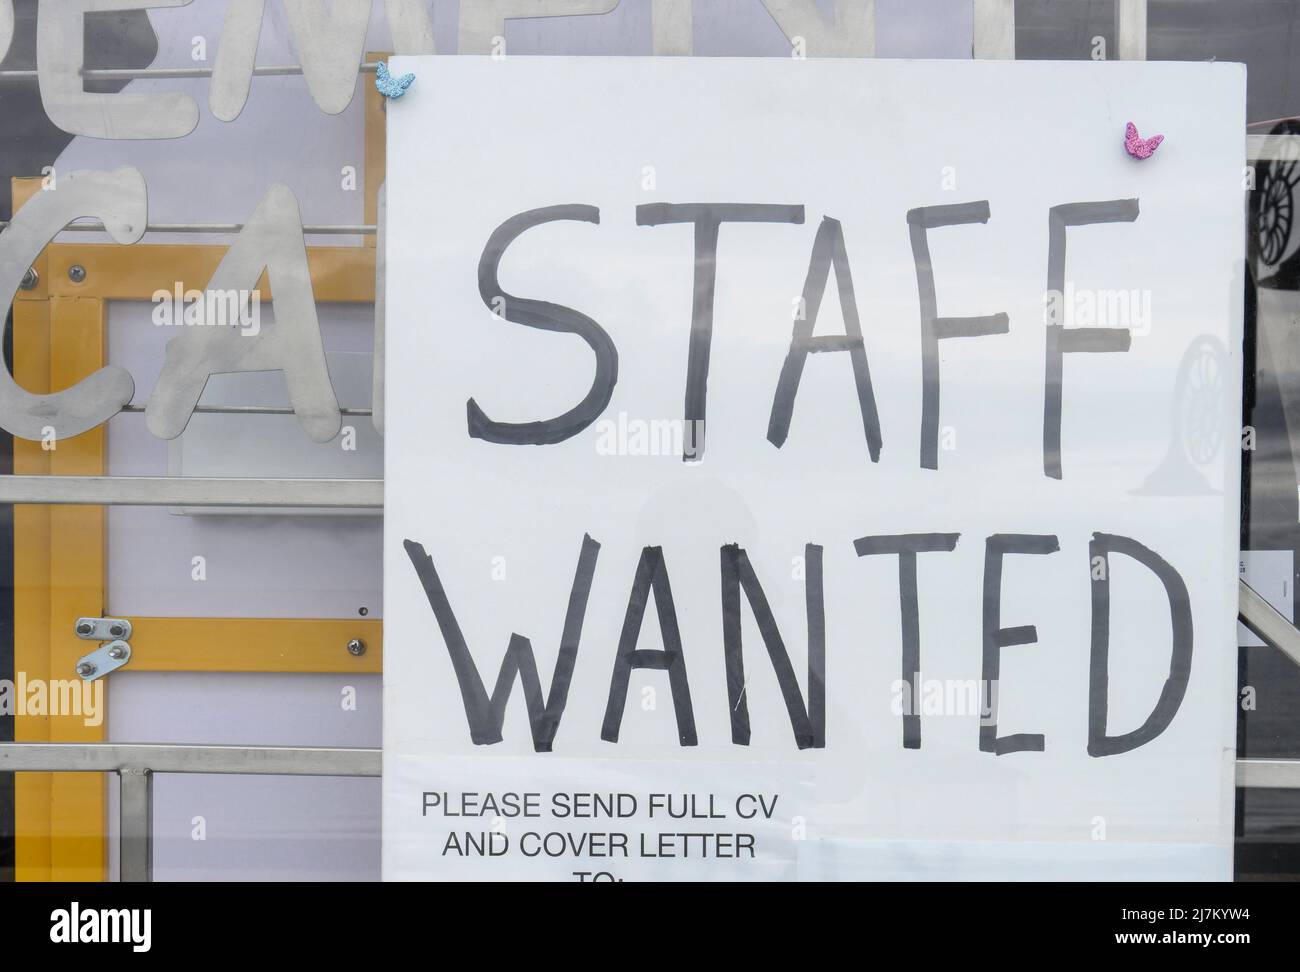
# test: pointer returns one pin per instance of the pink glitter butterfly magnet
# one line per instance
(1137, 146)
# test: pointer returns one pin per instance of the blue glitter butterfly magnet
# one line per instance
(389, 86)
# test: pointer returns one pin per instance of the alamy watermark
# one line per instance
(1082, 307)
(945, 697)
(23, 696)
(625, 436)
(224, 308)
(127, 926)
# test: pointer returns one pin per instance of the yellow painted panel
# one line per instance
(31, 339)
(59, 575)
(254, 645)
(22, 188)
(339, 274)
(78, 805)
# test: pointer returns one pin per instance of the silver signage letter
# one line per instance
(271, 240)
(852, 35)
(673, 24)
(409, 26)
(117, 198)
(482, 21)
(330, 42)
(60, 56)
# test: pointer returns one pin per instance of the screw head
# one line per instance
(30, 279)
(356, 647)
(76, 273)
(85, 628)
(116, 630)
(117, 653)
(85, 669)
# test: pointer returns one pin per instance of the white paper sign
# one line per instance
(841, 455)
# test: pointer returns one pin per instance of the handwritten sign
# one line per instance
(811, 469)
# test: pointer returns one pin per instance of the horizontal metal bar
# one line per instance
(158, 74)
(180, 491)
(1265, 621)
(238, 760)
(286, 761)
(324, 229)
(252, 410)
(1269, 774)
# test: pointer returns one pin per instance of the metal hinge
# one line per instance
(112, 654)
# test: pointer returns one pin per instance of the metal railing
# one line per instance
(1267, 623)
(1276, 631)
(136, 765)
(186, 491)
